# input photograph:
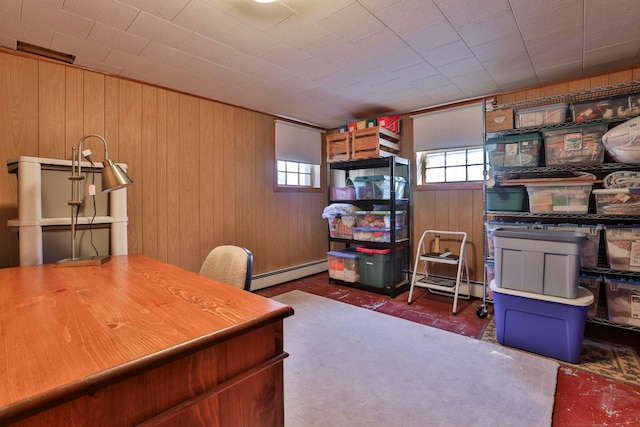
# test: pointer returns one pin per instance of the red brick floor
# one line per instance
(581, 400)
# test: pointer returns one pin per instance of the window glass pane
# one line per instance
(455, 158)
(474, 173)
(475, 157)
(435, 175)
(282, 178)
(435, 160)
(292, 179)
(305, 179)
(304, 168)
(292, 167)
(282, 166)
(456, 174)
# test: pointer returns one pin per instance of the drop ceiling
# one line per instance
(328, 62)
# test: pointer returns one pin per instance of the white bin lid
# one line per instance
(584, 298)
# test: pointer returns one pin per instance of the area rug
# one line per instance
(350, 366)
(613, 361)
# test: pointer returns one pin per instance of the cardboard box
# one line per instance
(542, 324)
(498, 120)
(390, 122)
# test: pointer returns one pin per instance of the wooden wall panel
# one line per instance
(203, 171)
(19, 136)
(189, 176)
(51, 110)
(149, 169)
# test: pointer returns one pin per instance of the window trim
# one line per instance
(446, 185)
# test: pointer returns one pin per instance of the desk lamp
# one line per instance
(113, 178)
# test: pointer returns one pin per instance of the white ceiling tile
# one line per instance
(165, 55)
(112, 13)
(151, 27)
(416, 72)
(464, 12)
(330, 49)
(98, 65)
(261, 16)
(491, 28)
(37, 15)
(351, 23)
(317, 10)
(243, 62)
(313, 69)
(205, 20)
(431, 82)
(550, 22)
(374, 6)
(461, 67)
(548, 75)
(166, 10)
(524, 9)
(284, 56)
(272, 73)
(504, 47)
(126, 61)
(206, 48)
(378, 43)
(78, 47)
(8, 43)
(400, 59)
(249, 40)
(116, 39)
(298, 31)
(432, 36)
(613, 54)
(447, 54)
(409, 15)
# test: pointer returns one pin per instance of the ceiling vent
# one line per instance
(44, 52)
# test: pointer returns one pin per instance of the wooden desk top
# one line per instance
(65, 330)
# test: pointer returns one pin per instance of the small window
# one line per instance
(295, 174)
(298, 156)
(453, 165)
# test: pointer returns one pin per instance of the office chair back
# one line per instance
(229, 264)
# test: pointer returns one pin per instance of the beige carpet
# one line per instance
(613, 361)
(350, 366)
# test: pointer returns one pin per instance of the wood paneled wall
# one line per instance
(203, 171)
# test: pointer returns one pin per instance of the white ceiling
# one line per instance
(327, 62)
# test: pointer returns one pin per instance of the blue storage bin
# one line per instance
(542, 324)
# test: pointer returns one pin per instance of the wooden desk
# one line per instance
(137, 341)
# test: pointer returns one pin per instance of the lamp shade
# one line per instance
(113, 177)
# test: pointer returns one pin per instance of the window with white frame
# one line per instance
(298, 155)
(454, 165)
(448, 145)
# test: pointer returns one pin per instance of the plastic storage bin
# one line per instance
(375, 266)
(590, 249)
(376, 234)
(542, 324)
(506, 199)
(514, 151)
(380, 219)
(539, 261)
(623, 300)
(592, 283)
(344, 265)
(577, 145)
(343, 193)
(341, 226)
(378, 187)
(618, 201)
(613, 108)
(553, 114)
(623, 247)
(570, 198)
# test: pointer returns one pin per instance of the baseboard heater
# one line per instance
(272, 278)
